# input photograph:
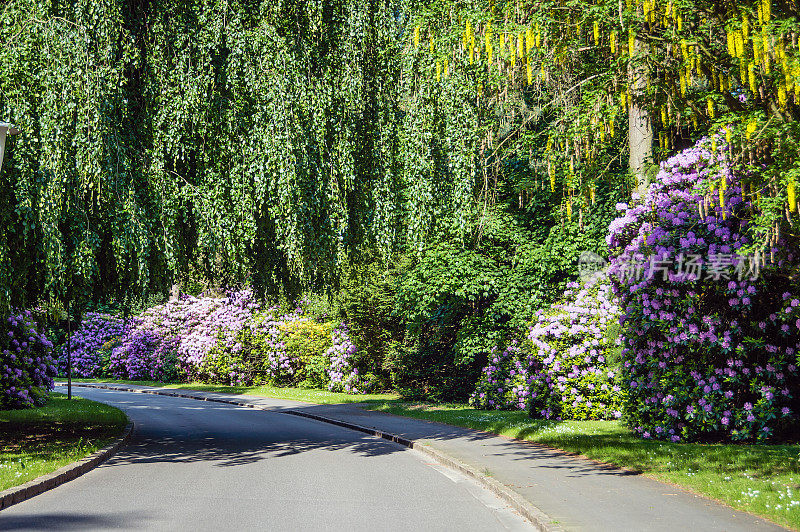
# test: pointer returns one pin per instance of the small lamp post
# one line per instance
(5, 129)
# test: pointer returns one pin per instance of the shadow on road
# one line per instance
(72, 521)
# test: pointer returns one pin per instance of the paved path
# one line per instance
(195, 465)
(576, 494)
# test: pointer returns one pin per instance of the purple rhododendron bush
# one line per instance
(224, 339)
(710, 341)
(565, 369)
(26, 367)
(92, 344)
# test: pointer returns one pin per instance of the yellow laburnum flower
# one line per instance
(488, 38)
(728, 135)
(796, 78)
(430, 48)
(438, 71)
(751, 128)
(612, 44)
(446, 67)
(791, 195)
(782, 98)
(751, 76)
(569, 209)
(731, 44)
(684, 51)
(529, 70)
(722, 202)
(679, 19)
(745, 27)
(471, 48)
(416, 36)
(683, 82)
(631, 43)
(766, 10)
(757, 49)
(552, 173)
(528, 39)
(664, 115)
(710, 104)
(596, 32)
(521, 45)
(739, 41)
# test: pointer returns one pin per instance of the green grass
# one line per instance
(37, 441)
(322, 397)
(761, 479)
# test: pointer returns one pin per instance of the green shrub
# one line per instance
(307, 341)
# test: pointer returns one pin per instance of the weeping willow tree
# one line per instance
(237, 141)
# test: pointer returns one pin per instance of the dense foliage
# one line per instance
(711, 336)
(27, 369)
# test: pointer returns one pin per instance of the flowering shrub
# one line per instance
(268, 343)
(92, 344)
(505, 381)
(145, 355)
(710, 347)
(181, 338)
(26, 366)
(572, 375)
(224, 340)
(342, 371)
(565, 370)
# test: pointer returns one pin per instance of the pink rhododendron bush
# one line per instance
(565, 369)
(26, 367)
(711, 337)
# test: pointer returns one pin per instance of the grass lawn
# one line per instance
(322, 397)
(761, 479)
(37, 441)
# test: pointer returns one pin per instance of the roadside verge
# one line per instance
(69, 472)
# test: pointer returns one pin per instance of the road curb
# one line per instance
(534, 515)
(69, 472)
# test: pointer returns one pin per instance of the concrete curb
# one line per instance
(537, 518)
(69, 472)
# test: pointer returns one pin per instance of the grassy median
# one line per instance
(37, 441)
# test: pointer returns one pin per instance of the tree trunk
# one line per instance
(640, 128)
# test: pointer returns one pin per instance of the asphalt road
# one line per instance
(195, 465)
